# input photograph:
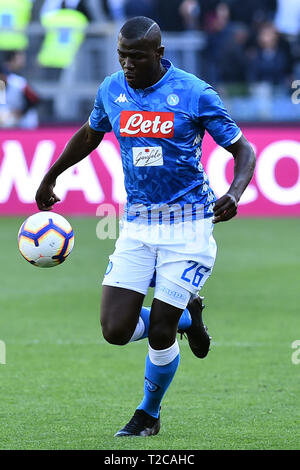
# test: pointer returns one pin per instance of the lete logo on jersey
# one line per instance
(147, 124)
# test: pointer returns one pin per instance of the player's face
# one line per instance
(140, 61)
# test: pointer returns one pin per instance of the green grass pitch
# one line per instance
(63, 387)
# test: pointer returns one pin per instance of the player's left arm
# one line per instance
(244, 164)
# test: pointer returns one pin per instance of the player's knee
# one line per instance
(114, 334)
(160, 338)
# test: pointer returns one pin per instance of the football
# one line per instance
(45, 239)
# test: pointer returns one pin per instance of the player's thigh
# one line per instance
(125, 284)
(131, 266)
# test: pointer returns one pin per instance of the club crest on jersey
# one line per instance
(147, 124)
(121, 99)
(109, 268)
(172, 99)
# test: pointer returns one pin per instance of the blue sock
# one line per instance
(185, 320)
(157, 381)
(145, 315)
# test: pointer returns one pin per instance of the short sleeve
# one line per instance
(98, 119)
(215, 118)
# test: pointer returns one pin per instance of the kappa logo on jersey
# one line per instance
(147, 124)
(121, 99)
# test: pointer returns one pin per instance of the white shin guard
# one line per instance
(162, 357)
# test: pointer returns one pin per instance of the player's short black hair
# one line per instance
(141, 27)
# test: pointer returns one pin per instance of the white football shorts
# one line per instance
(178, 258)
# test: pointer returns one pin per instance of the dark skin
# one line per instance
(244, 164)
(140, 60)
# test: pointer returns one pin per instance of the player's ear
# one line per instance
(160, 51)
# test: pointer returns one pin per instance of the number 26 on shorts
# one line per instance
(194, 273)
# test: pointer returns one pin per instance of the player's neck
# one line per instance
(160, 73)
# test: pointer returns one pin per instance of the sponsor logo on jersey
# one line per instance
(121, 99)
(147, 156)
(147, 124)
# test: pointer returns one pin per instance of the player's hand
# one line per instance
(225, 208)
(45, 197)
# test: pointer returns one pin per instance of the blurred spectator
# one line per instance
(268, 61)
(233, 62)
(116, 9)
(251, 13)
(219, 36)
(190, 12)
(93, 9)
(141, 8)
(219, 18)
(55, 5)
(168, 15)
(207, 12)
(64, 27)
(20, 108)
(14, 18)
(254, 12)
(165, 12)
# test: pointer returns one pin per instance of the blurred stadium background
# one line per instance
(249, 51)
(59, 386)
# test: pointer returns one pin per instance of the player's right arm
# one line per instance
(81, 144)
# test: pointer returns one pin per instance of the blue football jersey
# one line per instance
(160, 131)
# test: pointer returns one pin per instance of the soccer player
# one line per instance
(159, 114)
